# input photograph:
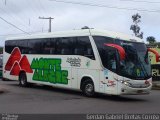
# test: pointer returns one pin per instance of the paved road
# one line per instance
(40, 99)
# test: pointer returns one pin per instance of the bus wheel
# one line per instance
(23, 79)
(88, 88)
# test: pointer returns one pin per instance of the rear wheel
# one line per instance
(3, 79)
(88, 88)
(23, 79)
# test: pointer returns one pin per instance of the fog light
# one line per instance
(146, 82)
(122, 90)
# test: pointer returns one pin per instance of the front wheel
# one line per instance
(23, 80)
(88, 88)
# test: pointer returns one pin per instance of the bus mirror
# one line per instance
(156, 54)
(120, 49)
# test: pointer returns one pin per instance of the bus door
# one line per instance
(112, 70)
(108, 78)
(115, 54)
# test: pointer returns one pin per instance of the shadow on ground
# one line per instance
(124, 98)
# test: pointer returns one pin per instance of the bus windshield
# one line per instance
(136, 64)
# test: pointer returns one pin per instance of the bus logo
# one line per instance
(17, 63)
(45, 69)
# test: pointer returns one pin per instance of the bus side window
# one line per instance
(64, 46)
(65, 51)
(35, 46)
(48, 46)
(52, 46)
(57, 42)
(23, 46)
(84, 47)
(78, 51)
(10, 45)
(89, 53)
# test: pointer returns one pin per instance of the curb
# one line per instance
(156, 85)
(155, 88)
(1, 91)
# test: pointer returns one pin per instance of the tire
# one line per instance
(23, 80)
(3, 79)
(88, 88)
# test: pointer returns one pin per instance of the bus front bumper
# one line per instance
(126, 90)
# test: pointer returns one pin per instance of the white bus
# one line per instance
(89, 60)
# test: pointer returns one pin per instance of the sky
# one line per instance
(18, 17)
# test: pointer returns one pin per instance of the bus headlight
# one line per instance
(126, 83)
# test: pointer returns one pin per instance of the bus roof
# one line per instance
(81, 32)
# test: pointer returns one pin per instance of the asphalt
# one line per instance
(49, 100)
(156, 86)
(2, 90)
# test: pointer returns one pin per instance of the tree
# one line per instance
(151, 39)
(85, 27)
(135, 27)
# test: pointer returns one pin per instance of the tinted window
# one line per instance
(64, 46)
(83, 47)
(109, 60)
(35, 46)
(100, 41)
(59, 46)
(104, 51)
(10, 45)
(48, 46)
(23, 46)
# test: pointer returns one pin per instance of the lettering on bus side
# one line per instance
(49, 70)
(74, 62)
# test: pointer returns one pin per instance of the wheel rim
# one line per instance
(89, 88)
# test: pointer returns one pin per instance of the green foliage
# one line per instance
(151, 40)
(135, 28)
(1, 50)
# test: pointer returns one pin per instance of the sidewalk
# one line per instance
(156, 85)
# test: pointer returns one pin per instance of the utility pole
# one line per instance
(50, 19)
(5, 2)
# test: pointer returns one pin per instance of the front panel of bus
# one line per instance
(131, 75)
